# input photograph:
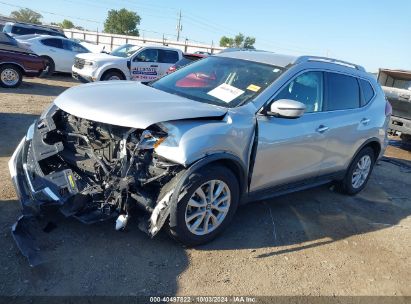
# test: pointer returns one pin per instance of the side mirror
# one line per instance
(129, 64)
(287, 108)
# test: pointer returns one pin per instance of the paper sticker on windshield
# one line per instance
(253, 87)
(225, 92)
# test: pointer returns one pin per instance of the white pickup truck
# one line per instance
(128, 62)
(396, 85)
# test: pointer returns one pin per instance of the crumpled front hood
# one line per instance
(131, 104)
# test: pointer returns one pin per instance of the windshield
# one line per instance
(125, 50)
(220, 81)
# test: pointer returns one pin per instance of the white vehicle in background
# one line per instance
(128, 62)
(58, 52)
(92, 47)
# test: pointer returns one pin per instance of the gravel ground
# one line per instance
(315, 242)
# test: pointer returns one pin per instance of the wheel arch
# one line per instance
(112, 69)
(228, 160)
(19, 66)
(373, 143)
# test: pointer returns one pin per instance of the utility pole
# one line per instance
(179, 26)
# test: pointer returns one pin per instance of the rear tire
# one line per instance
(50, 66)
(10, 76)
(358, 172)
(210, 214)
(112, 75)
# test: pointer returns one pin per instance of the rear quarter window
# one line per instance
(343, 92)
(367, 92)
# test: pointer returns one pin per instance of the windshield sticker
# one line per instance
(253, 87)
(225, 92)
(144, 73)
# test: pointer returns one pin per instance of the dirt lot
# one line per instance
(315, 242)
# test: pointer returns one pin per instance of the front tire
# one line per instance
(358, 172)
(10, 76)
(112, 75)
(208, 206)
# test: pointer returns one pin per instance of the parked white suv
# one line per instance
(128, 62)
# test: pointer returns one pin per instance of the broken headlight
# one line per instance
(151, 139)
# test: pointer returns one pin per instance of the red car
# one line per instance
(16, 61)
(187, 59)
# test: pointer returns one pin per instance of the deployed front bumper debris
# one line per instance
(89, 170)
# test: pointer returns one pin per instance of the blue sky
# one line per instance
(371, 33)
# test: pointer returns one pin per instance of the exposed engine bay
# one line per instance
(113, 168)
(93, 171)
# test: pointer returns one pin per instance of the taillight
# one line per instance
(171, 69)
(388, 108)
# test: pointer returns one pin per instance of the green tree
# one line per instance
(66, 24)
(249, 42)
(26, 15)
(226, 42)
(239, 41)
(122, 22)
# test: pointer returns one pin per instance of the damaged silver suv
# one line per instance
(188, 148)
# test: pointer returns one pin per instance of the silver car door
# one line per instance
(348, 124)
(291, 150)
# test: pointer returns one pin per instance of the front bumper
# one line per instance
(34, 188)
(35, 191)
(400, 124)
(84, 75)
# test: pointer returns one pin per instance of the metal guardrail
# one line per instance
(112, 41)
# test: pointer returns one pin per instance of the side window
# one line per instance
(166, 56)
(53, 42)
(367, 92)
(74, 47)
(41, 32)
(78, 48)
(306, 88)
(343, 92)
(148, 55)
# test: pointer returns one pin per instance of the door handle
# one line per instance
(365, 121)
(153, 66)
(322, 129)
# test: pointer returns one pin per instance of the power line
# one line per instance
(51, 13)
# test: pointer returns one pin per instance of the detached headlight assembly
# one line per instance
(151, 140)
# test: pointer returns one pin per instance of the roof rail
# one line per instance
(330, 60)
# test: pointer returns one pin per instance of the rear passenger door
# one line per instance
(166, 59)
(346, 122)
(62, 58)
